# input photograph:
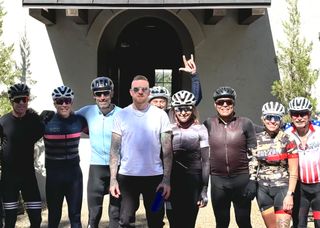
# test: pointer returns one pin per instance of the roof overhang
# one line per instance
(143, 4)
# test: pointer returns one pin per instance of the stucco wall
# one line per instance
(227, 54)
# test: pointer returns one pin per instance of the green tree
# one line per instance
(293, 58)
(8, 74)
(24, 67)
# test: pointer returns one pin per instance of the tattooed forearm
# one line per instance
(114, 157)
(167, 156)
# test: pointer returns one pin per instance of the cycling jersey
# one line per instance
(61, 140)
(187, 144)
(309, 156)
(100, 132)
(229, 145)
(309, 173)
(19, 136)
(269, 165)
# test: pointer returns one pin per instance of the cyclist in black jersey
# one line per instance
(21, 129)
(231, 140)
(64, 175)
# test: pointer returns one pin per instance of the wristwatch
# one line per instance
(290, 193)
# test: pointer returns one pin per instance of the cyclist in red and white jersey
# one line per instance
(307, 136)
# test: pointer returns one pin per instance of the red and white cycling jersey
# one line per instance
(309, 156)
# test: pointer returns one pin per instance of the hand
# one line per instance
(203, 198)
(287, 203)
(250, 190)
(114, 189)
(189, 65)
(46, 116)
(166, 190)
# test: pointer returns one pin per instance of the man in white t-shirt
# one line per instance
(139, 132)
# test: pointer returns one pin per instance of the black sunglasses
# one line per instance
(221, 102)
(183, 108)
(299, 113)
(275, 118)
(100, 93)
(19, 99)
(137, 89)
(61, 101)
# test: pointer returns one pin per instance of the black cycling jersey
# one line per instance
(229, 145)
(19, 136)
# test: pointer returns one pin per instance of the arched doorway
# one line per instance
(143, 45)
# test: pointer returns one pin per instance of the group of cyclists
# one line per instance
(158, 144)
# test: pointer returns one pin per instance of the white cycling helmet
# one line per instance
(101, 84)
(273, 108)
(299, 104)
(183, 97)
(159, 92)
(62, 91)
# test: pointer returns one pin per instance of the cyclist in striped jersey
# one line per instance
(307, 137)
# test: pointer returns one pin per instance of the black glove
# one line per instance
(250, 191)
(46, 116)
(203, 198)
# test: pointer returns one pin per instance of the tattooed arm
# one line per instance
(167, 163)
(114, 161)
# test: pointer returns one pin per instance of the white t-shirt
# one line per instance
(140, 143)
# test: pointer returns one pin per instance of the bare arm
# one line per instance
(293, 177)
(167, 163)
(114, 161)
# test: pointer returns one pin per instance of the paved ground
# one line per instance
(205, 218)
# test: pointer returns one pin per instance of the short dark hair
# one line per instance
(140, 77)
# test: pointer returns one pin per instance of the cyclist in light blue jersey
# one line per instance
(100, 118)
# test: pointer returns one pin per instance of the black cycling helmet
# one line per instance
(18, 89)
(224, 92)
(101, 84)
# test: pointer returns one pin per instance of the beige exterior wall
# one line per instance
(226, 54)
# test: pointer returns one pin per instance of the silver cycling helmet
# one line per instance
(273, 108)
(159, 92)
(18, 89)
(299, 104)
(101, 84)
(224, 92)
(62, 91)
(183, 97)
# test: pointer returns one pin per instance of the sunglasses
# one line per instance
(137, 89)
(221, 102)
(19, 99)
(100, 93)
(61, 101)
(275, 118)
(183, 109)
(299, 113)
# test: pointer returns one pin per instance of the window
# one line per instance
(163, 77)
